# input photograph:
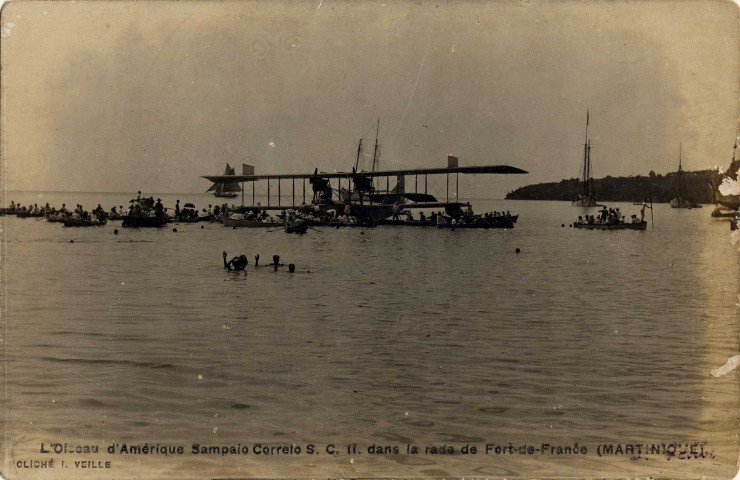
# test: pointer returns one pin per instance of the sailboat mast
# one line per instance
(589, 181)
(585, 160)
(375, 153)
(680, 173)
(359, 152)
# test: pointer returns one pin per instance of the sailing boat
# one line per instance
(679, 201)
(586, 195)
(226, 189)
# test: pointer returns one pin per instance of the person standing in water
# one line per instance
(642, 210)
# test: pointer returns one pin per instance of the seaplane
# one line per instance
(360, 193)
(357, 189)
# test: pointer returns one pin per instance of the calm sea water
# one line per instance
(396, 336)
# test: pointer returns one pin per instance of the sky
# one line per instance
(125, 96)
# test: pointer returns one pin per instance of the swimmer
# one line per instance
(236, 264)
(275, 262)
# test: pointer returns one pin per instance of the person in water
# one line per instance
(275, 262)
(642, 210)
(237, 263)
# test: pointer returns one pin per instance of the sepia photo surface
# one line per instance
(335, 239)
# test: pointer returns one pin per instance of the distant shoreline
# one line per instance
(659, 188)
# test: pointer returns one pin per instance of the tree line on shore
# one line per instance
(661, 188)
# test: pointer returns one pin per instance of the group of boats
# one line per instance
(300, 219)
(727, 205)
(358, 199)
(148, 213)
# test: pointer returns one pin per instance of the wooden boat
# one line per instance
(8, 211)
(406, 223)
(55, 217)
(29, 215)
(718, 213)
(297, 225)
(143, 221)
(486, 223)
(243, 222)
(82, 222)
(679, 201)
(185, 220)
(612, 226)
(586, 195)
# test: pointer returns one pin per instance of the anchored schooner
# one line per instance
(586, 194)
(679, 201)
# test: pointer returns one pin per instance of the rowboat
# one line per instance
(82, 222)
(407, 223)
(478, 222)
(297, 225)
(133, 221)
(56, 217)
(29, 214)
(612, 226)
(242, 222)
(717, 213)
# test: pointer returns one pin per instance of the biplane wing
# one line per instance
(487, 169)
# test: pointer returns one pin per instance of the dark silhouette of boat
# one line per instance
(243, 222)
(586, 196)
(144, 221)
(83, 222)
(679, 201)
(22, 214)
(295, 225)
(612, 226)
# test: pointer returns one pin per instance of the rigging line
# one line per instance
(411, 97)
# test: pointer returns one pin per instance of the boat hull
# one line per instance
(612, 226)
(81, 222)
(243, 223)
(584, 202)
(683, 203)
(144, 222)
(297, 226)
(717, 213)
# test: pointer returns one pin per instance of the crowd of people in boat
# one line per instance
(312, 215)
(612, 216)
